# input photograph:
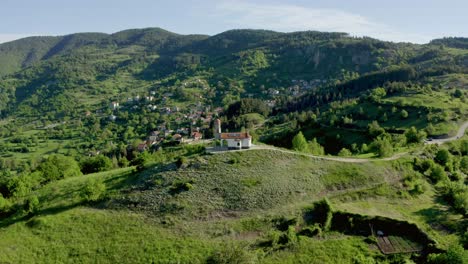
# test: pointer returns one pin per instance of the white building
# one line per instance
(114, 105)
(238, 140)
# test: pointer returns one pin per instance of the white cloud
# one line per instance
(10, 37)
(287, 18)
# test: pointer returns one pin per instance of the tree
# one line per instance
(299, 143)
(344, 152)
(404, 114)
(377, 94)
(464, 164)
(454, 255)
(412, 135)
(31, 206)
(93, 190)
(458, 93)
(442, 157)
(315, 148)
(96, 164)
(58, 167)
(4, 204)
(375, 129)
(438, 174)
(382, 147)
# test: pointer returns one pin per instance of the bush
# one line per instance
(382, 147)
(96, 164)
(5, 205)
(58, 167)
(442, 157)
(231, 254)
(438, 174)
(31, 205)
(464, 164)
(320, 213)
(344, 152)
(454, 255)
(404, 114)
(299, 143)
(141, 161)
(180, 186)
(93, 190)
(412, 135)
(181, 162)
(315, 148)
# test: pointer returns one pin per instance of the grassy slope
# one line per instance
(233, 196)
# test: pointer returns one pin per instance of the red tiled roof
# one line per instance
(236, 135)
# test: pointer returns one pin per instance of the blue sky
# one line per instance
(415, 21)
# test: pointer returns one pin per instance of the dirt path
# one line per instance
(460, 133)
(332, 158)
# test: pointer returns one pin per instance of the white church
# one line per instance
(234, 140)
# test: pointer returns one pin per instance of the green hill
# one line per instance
(223, 204)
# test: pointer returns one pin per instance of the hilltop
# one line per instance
(210, 203)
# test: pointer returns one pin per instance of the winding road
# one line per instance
(460, 133)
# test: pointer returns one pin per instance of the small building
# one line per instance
(238, 140)
(233, 140)
(114, 105)
(197, 135)
(142, 147)
(178, 137)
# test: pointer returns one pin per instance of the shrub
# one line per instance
(181, 162)
(5, 205)
(412, 135)
(454, 255)
(438, 174)
(315, 148)
(96, 164)
(404, 114)
(141, 161)
(299, 143)
(231, 254)
(382, 147)
(344, 152)
(180, 186)
(442, 157)
(464, 164)
(58, 167)
(93, 190)
(31, 205)
(320, 213)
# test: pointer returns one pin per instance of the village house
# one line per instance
(197, 136)
(142, 147)
(114, 105)
(178, 137)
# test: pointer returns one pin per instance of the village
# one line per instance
(196, 121)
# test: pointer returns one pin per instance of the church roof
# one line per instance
(235, 135)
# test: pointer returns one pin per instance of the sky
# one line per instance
(416, 21)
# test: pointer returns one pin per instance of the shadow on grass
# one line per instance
(438, 217)
(26, 217)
